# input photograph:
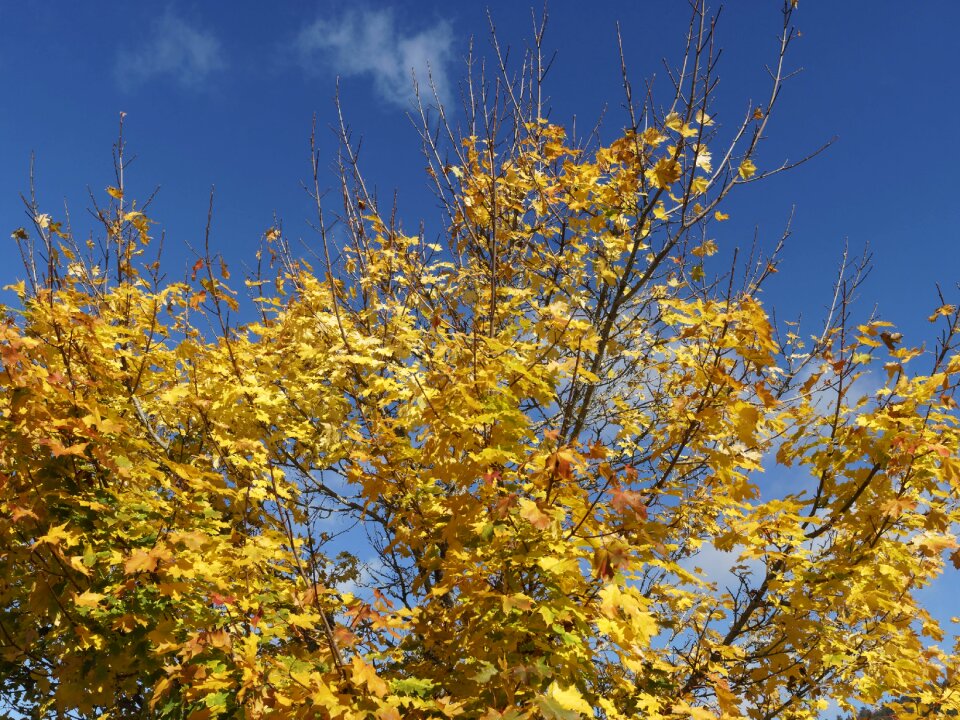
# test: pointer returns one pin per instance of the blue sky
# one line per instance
(223, 94)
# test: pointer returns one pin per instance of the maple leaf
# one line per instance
(59, 535)
(78, 450)
(628, 502)
(18, 513)
(747, 169)
(708, 248)
(145, 560)
(559, 703)
(559, 463)
(532, 513)
(598, 451)
(528, 428)
(942, 311)
(365, 674)
(652, 136)
(88, 599)
(602, 565)
(704, 159)
(666, 172)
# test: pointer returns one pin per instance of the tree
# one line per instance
(538, 421)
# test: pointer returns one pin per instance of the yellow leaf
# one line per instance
(144, 560)
(666, 172)
(942, 311)
(696, 713)
(704, 159)
(708, 248)
(747, 419)
(76, 562)
(560, 703)
(518, 601)
(88, 599)
(652, 136)
(364, 674)
(721, 216)
(747, 169)
(58, 535)
(699, 185)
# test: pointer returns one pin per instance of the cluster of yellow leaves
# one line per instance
(540, 425)
(143, 560)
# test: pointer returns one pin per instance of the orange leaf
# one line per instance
(628, 502)
(598, 451)
(140, 561)
(60, 450)
(602, 567)
(530, 512)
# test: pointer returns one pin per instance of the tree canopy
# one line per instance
(471, 475)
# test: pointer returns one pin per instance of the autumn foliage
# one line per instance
(472, 476)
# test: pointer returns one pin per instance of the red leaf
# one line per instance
(491, 477)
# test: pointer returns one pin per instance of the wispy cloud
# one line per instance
(173, 49)
(368, 42)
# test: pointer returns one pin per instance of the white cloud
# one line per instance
(717, 566)
(174, 49)
(368, 42)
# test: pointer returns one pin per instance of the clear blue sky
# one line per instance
(222, 94)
